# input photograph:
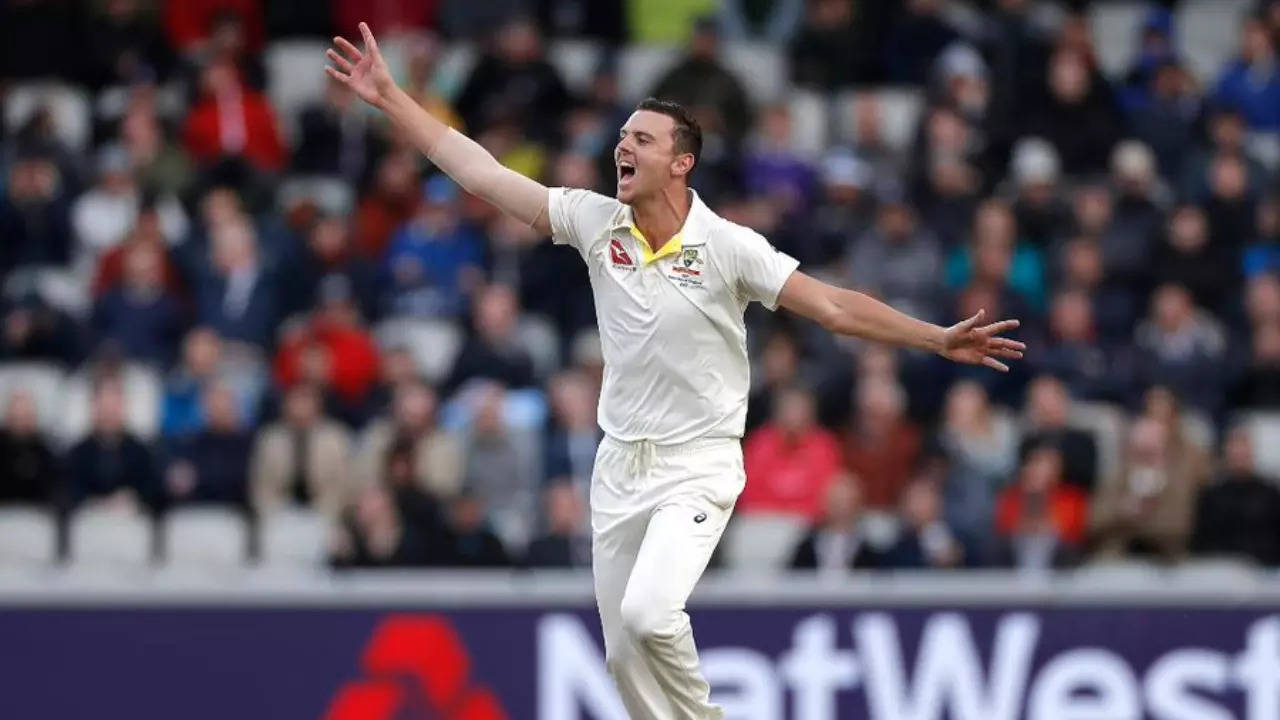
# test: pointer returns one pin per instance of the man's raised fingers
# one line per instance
(338, 60)
(369, 43)
(1001, 342)
(333, 73)
(999, 327)
(351, 51)
(995, 364)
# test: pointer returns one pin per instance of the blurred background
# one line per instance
(255, 349)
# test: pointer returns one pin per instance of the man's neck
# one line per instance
(660, 217)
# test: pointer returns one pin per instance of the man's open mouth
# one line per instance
(625, 170)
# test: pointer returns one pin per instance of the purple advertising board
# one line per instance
(545, 663)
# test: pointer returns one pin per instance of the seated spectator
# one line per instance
(881, 444)
(1258, 385)
(29, 473)
(328, 253)
(212, 465)
(898, 261)
(437, 457)
(1077, 115)
(229, 119)
(334, 136)
(1263, 253)
(574, 435)
(925, 540)
(336, 334)
(475, 544)
(1226, 132)
(1262, 300)
(836, 544)
(35, 214)
(104, 215)
(421, 511)
(772, 169)
(515, 75)
(1239, 513)
(435, 260)
(1114, 300)
(1039, 210)
(981, 448)
(1188, 444)
(373, 534)
(1047, 413)
(831, 51)
(428, 82)
(202, 363)
(388, 205)
(1230, 206)
(110, 466)
(917, 37)
(159, 161)
(1040, 520)
(994, 260)
(1168, 120)
(789, 461)
(32, 329)
(501, 467)
(146, 232)
(567, 542)
(1073, 352)
(139, 316)
(1146, 508)
(1140, 196)
(398, 367)
(702, 83)
(845, 208)
(492, 351)
(1252, 82)
(1183, 347)
(778, 370)
(238, 298)
(126, 47)
(1208, 270)
(303, 458)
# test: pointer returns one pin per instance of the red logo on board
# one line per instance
(618, 254)
(412, 661)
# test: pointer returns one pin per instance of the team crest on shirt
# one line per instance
(686, 271)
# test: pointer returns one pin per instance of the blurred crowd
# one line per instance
(265, 310)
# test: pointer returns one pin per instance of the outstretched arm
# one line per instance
(852, 313)
(460, 157)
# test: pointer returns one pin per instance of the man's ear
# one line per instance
(682, 165)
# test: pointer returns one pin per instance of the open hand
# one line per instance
(967, 342)
(364, 72)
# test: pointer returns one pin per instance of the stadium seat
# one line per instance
(332, 195)
(1197, 428)
(433, 343)
(43, 381)
(1264, 430)
(69, 106)
(640, 67)
(900, 110)
(292, 537)
(576, 60)
(294, 78)
(143, 390)
(762, 542)
(1208, 34)
(209, 537)
(1114, 27)
(28, 537)
(539, 338)
(109, 538)
(763, 69)
(62, 289)
(810, 119)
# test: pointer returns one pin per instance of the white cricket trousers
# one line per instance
(657, 512)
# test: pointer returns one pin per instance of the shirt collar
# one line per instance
(693, 232)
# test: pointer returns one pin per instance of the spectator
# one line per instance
(1239, 514)
(995, 261)
(373, 534)
(925, 540)
(238, 298)
(898, 262)
(1155, 50)
(103, 217)
(1038, 208)
(981, 448)
(837, 544)
(949, 197)
(778, 370)
(917, 36)
(204, 362)
(775, 21)
(435, 260)
(212, 465)
(493, 351)
(335, 137)
(566, 543)
(881, 445)
(392, 18)
(32, 329)
(231, 120)
(139, 316)
(773, 170)
(515, 79)
(1041, 521)
(703, 84)
(474, 544)
(871, 137)
(1139, 196)
(158, 162)
(1230, 206)
(1113, 302)
(501, 468)
(428, 83)
(301, 459)
(1226, 134)
(584, 18)
(574, 436)
(1208, 270)
(829, 53)
(1262, 299)
(349, 358)
(146, 232)
(1167, 120)
(327, 257)
(1263, 253)
(845, 209)
(1047, 416)
(789, 461)
(388, 205)
(437, 457)
(29, 473)
(1252, 82)
(1258, 386)
(35, 214)
(1182, 347)
(1145, 509)
(191, 24)
(110, 466)
(1076, 115)
(1089, 367)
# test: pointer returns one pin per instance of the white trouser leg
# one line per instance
(653, 537)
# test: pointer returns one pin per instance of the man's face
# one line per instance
(646, 156)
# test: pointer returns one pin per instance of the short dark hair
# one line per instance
(688, 133)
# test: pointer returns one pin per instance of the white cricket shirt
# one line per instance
(671, 321)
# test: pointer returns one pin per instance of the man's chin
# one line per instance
(625, 196)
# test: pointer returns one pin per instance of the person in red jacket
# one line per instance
(790, 460)
(333, 348)
(228, 119)
(189, 24)
(1042, 502)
